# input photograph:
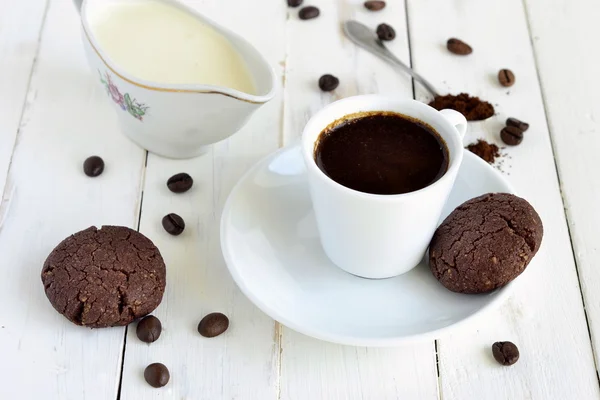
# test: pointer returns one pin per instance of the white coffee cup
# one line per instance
(380, 236)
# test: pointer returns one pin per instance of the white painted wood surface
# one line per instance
(18, 48)
(243, 363)
(50, 124)
(312, 369)
(548, 294)
(564, 39)
(66, 119)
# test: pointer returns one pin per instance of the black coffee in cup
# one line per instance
(381, 153)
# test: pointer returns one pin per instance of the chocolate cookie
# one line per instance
(485, 243)
(104, 277)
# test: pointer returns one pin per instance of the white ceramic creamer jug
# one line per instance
(176, 120)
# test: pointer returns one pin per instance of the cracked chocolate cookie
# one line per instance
(104, 277)
(485, 243)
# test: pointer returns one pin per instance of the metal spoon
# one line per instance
(368, 40)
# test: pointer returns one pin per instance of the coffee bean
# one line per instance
(511, 135)
(213, 325)
(294, 3)
(523, 126)
(327, 83)
(506, 77)
(459, 47)
(157, 375)
(173, 224)
(180, 183)
(93, 166)
(309, 12)
(385, 32)
(148, 329)
(506, 353)
(375, 5)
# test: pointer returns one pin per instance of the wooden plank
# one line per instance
(313, 369)
(570, 90)
(545, 315)
(242, 363)
(67, 118)
(18, 47)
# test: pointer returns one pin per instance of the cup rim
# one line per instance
(182, 88)
(456, 155)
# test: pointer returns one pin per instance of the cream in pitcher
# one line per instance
(158, 42)
(178, 81)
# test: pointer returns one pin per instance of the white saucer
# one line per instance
(271, 245)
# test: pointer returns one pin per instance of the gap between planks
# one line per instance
(278, 328)
(437, 370)
(440, 395)
(140, 205)
(278, 355)
(560, 185)
(410, 60)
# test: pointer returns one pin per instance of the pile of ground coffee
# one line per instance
(473, 108)
(487, 151)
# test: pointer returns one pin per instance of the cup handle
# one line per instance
(457, 120)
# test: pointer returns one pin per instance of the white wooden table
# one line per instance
(53, 115)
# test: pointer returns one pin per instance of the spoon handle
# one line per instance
(358, 34)
(379, 49)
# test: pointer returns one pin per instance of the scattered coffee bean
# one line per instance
(148, 329)
(180, 183)
(157, 375)
(459, 47)
(506, 77)
(93, 166)
(294, 3)
(173, 224)
(327, 83)
(213, 325)
(523, 126)
(386, 32)
(506, 353)
(309, 12)
(375, 5)
(511, 135)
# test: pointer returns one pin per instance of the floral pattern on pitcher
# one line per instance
(132, 106)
